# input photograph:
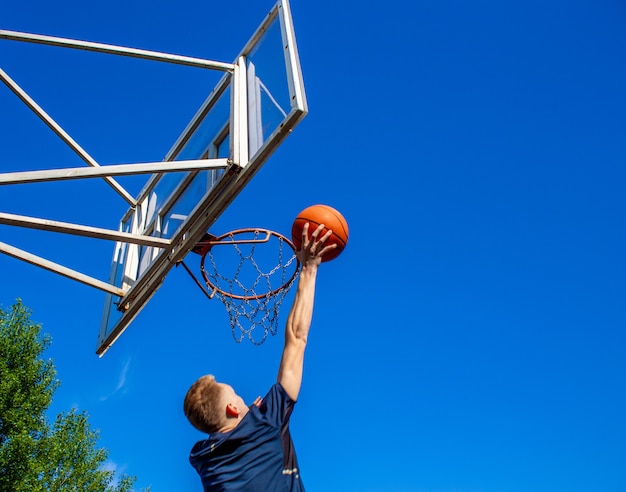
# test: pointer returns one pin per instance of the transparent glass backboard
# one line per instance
(243, 120)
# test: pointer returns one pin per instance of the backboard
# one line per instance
(257, 102)
(240, 124)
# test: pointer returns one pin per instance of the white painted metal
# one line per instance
(60, 269)
(81, 230)
(116, 50)
(62, 134)
(111, 170)
(292, 58)
(239, 135)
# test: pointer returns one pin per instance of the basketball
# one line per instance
(331, 218)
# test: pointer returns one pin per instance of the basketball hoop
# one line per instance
(250, 272)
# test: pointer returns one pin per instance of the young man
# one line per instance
(249, 447)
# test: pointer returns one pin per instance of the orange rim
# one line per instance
(205, 246)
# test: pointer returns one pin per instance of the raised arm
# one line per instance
(301, 313)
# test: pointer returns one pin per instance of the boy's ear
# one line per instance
(232, 411)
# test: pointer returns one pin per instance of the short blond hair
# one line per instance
(203, 405)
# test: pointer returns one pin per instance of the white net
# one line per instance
(251, 271)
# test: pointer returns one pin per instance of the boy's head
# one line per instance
(211, 406)
(204, 406)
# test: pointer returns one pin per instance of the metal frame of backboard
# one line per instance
(143, 253)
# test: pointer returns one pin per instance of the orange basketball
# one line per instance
(331, 218)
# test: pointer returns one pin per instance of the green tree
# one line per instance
(35, 455)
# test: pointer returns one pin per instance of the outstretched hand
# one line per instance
(313, 248)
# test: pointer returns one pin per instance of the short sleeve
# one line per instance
(277, 406)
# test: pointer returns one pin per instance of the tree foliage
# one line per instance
(34, 454)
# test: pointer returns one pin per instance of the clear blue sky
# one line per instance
(472, 335)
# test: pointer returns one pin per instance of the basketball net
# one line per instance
(251, 272)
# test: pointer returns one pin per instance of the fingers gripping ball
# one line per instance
(331, 218)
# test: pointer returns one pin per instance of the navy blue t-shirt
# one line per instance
(257, 455)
